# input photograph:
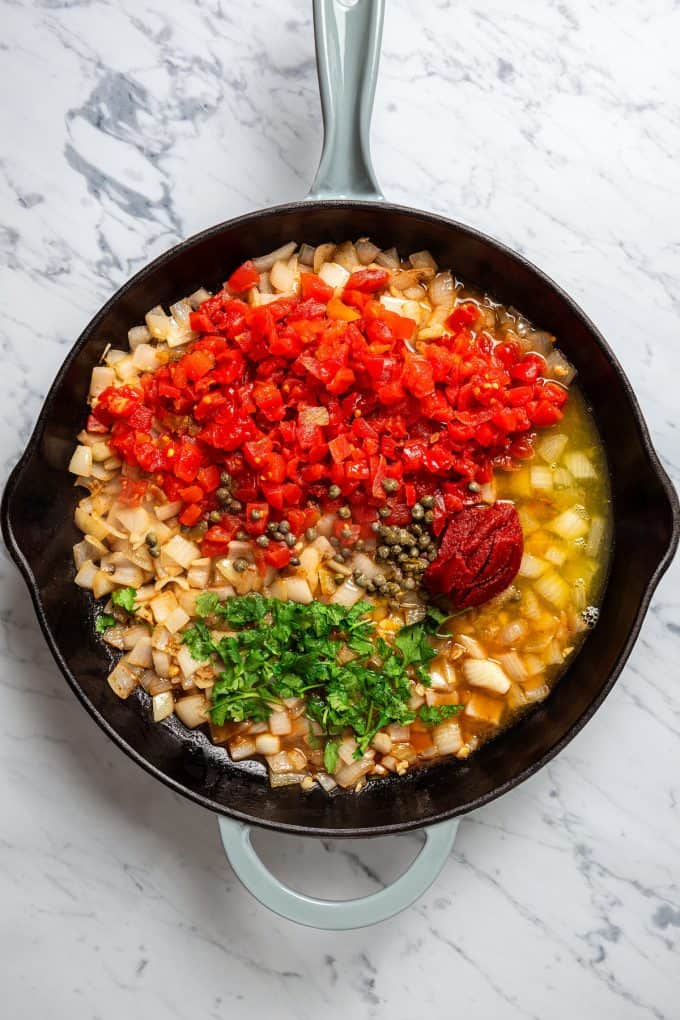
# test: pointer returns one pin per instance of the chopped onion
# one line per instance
(182, 551)
(347, 594)
(167, 510)
(348, 775)
(180, 312)
(513, 666)
(579, 465)
(122, 680)
(366, 251)
(561, 370)
(140, 655)
(323, 253)
(280, 724)
(102, 584)
(538, 342)
(81, 461)
(531, 566)
(569, 525)
(102, 378)
(541, 478)
(422, 260)
(138, 335)
(163, 705)
(192, 710)
(198, 297)
(282, 277)
(267, 744)
(388, 259)
(598, 527)
(442, 289)
(334, 275)
(87, 571)
(553, 589)
(345, 255)
(277, 779)
(145, 358)
(157, 323)
(447, 737)
(551, 447)
(265, 262)
(485, 673)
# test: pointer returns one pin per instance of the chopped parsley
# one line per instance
(125, 598)
(433, 714)
(330, 756)
(104, 621)
(327, 654)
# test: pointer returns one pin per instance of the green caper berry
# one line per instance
(409, 584)
(360, 545)
(429, 516)
(262, 540)
(333, 491)
(151, 540)
(345, 513)
(346, 532)
(335, 541)
(424, 541)
(396, 549)
(154, 551)
(294, 561)
(346, 554)
(278, 535)
(413, 550)
(361, 581)
(290, 540)
(225, 478)
(339, 578)
(236, 506)
(214, 516)
(284, 527)
(383, 552)
(474, 487)
(370, 586)
(256, 515)
(240, 565)
(390, 484)
(375, 526)
(417, 512)
(417, 530)
(223, 495)
(402, 557)
(311, 534)
(384, 511)
(242, 536)
(427, 502)
(431, 555)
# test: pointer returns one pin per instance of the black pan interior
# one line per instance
(39, 500)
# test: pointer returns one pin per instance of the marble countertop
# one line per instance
(128, 126)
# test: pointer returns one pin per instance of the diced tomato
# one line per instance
(191, 494)
(368, 281)
(529, 368)
(543, 413)
(257, 518)
(312, 286)
(243, 278)
(191, 515)
(278, 555)
(462, 316)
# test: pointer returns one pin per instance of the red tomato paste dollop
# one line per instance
(479, 555)
(307, 397)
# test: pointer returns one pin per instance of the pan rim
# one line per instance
(356, 831)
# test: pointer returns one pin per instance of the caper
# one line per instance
(360, 545)
(242, 536)
(278, 535)
(346, 554)
(151, 540)
(413, 550)
(256, 515)
(214, 516)
(345, 513)
(384, 511)
(225, 478)
(284, 527)
(474, 487)
(333, 491)
(383, 552)
(370, 586)
(223, 495)
(335, 541)
(417, 530)
(290, 540)
(375, 526)
(240, 565)
(396, 549)
(402, 557)
(429, 516)
(409, 584)
(390, 484)
(294, 561)
(272, 527)
(431, 555)
(235, 506)
(154, 551)
(427, 502)
(311, 534)
(424, 541)
(339, 578)
(417, 512)
(360, 580)
(262, 541)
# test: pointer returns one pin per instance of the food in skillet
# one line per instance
(347, 513)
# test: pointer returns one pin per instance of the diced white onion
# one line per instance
(81, 461)
(333, 275)
(485, 673)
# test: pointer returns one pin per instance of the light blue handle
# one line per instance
(348, 39)
(336, 915)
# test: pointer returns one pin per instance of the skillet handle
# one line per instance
(348, 36)
(336, 915)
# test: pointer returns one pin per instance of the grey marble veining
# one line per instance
(128, 126)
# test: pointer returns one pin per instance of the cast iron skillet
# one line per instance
(38, 502)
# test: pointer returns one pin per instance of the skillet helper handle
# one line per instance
(348, 37)
(336, 915)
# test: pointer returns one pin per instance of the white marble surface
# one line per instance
(129, 125)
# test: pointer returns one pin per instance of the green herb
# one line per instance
(125, 598)
(207, 603)
(330, 756)
(327, 654)
(104, 621)
(433, 714)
